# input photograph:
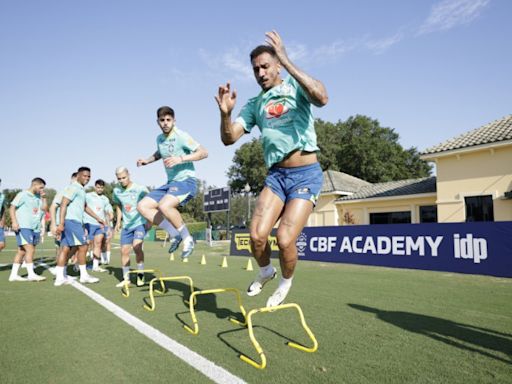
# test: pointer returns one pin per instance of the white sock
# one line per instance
(65, 271)
(30, 269)
(266, 270)
(140, 266)
(59, 273)
(95, 263)
(15, 269)
(285, 283)
(83, 270)
(125, 272)
(103, 257)
(169, 228)
(108, 257)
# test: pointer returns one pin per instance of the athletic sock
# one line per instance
(140, 266)
(285, 283)
(15, 269)
(30, 269)
(83, 270)
(59, 273)
(108, 257)
(266, 270)
(125, 272)
(95, 263)
(103, 257)
(183, 230)
(169, 228)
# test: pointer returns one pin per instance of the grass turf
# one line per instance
(372, 324)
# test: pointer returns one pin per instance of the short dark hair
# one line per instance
(100, 182)
(164, 111)
(262, 49)
(84, 169)
(38, 180)
(74, 174)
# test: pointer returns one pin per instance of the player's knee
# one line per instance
(258, 240)
(284, 241)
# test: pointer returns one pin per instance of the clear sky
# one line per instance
(80, 81)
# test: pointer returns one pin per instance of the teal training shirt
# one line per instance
(285, 118)
(178, 143)
(2, 202)
(99, 204)
(28, 210)
(75, 192)
(127, 199)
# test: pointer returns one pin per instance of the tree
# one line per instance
(248, 167)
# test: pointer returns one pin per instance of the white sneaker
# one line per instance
(278, 296)
(71, 278)
(36, 278)
(257, 285)
(123, 283)
(87, 279)
(52, 270)
(188, 247)
(59, 282)
(17, 278)
(99, 269)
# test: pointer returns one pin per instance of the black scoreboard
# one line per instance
(217, 200)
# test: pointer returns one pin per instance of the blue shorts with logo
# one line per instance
(94, 230)
(26, 236)
(183, 190)
(296, 183)
(129, 235)
(73, 234)
(2, 235)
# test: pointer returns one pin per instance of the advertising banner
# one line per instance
(479, 248)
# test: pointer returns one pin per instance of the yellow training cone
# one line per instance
(224, 262)
(249, 265)
(171, 258)
(203, 260)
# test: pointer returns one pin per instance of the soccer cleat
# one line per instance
(59, 282)
(36, 278)
(17, 278)
(140, 279)
(99, 269)
(123, 283)
(278, 296)
(188, 247)
(257, 285)
(88, 279)
(174, 243)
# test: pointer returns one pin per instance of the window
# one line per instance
(390, 218)
(428, 214)
(479, 208)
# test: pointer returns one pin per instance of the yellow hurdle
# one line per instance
(152, 288)
(192, 301)
(125, 290)
(257, 345)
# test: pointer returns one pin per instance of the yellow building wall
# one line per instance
(358, 213)
(324, 213)
(484, 172)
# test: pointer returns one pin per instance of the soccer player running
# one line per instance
(2, 219)
(99, 203)
(71, 228)
(283, 113)
(178, 150)
(25, 214)
(126, 196)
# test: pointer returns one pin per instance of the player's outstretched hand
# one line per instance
(226, 99)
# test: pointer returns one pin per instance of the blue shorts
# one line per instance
(73, 234)
(182, 190)
(2, 235)
(93, 230)
(296, 183)
(27, 236)
(129, 235)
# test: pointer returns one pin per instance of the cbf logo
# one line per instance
(302, 243)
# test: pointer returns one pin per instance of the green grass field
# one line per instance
(373, 325)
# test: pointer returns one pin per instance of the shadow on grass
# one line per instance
(250, 348)
(464, 336)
